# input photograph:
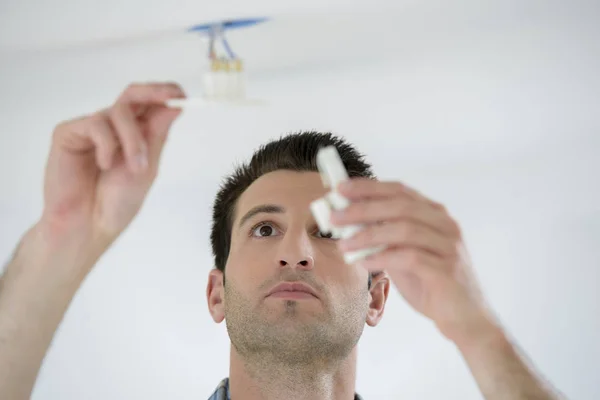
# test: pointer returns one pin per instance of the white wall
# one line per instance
(500, 122)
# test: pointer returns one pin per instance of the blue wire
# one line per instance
(227, 48)
(223, 26)
(240, 23)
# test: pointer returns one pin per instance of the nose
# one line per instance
(307, 262)
(295, 251)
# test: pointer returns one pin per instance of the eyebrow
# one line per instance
(263, 208)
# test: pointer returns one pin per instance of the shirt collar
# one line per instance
(222, 392)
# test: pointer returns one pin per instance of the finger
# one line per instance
(159, 122)
(366, 188)
(145, 94)
(105, 140)
(404, 260)
(88, 135)
(130, 137)
(392, 209)
(401, 233)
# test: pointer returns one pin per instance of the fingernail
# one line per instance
(141, 159)
(175, 90)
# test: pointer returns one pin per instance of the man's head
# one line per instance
(263, 234)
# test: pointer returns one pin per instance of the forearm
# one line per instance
(502, 372)
(35, 292)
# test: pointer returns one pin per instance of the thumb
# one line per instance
(160, 121)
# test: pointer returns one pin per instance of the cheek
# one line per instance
(336, 273)
(249, 263)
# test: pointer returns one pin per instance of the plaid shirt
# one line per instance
(222, 392)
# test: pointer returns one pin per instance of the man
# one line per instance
(294, 310)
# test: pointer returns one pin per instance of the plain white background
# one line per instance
(490, 107)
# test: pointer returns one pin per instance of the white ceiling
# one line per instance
(37, 24)
(551, 41)
(299, 32)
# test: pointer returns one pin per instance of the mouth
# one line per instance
(292, 295)
(293, 290)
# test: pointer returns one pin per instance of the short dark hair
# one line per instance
(295, 152)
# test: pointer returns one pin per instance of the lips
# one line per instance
(293, 287)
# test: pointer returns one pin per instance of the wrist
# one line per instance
(74, 232)
(487, 335)
(58, 250)
(476, 327)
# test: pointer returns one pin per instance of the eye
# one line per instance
(264, 229)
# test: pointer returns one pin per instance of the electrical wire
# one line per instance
(227, 47)
(216, 30)
(211, 48)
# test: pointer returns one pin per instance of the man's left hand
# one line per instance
(425, 256)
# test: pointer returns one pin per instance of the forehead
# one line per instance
(290, 189)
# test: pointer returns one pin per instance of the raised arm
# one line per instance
(502, 371)
(99, 171)
(427, 260)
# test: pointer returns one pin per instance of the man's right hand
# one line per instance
(101, 166)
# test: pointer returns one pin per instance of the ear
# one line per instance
(215, 294)
(380, 287)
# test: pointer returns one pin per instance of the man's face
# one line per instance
(282, 243)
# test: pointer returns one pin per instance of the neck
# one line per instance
(264, 377)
